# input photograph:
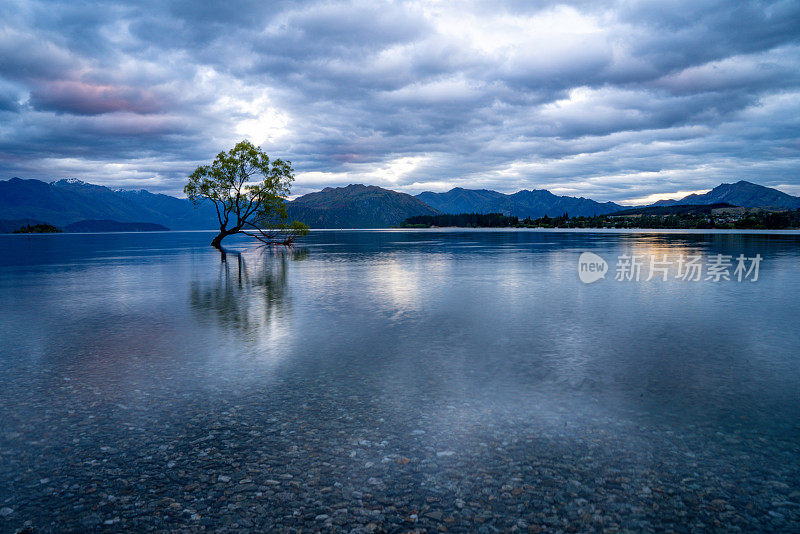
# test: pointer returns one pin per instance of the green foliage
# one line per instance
(248, 192)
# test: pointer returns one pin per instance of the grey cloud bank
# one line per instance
(614, 101)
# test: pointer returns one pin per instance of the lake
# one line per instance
(387, 380)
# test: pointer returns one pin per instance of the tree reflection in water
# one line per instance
(250, 293)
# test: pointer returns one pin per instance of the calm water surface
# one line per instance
(393, 379)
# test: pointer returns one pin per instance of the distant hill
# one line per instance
(526, 203)
(676, 209)
(67, 201)
(178, 213)
(113, 226)
(742, 193)
(356, 206)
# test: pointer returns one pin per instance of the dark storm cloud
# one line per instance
(615, 100)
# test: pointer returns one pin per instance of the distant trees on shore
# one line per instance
(750, 220)
(467, 220)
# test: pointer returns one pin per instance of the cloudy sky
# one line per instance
(612, 100)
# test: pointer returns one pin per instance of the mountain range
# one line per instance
(65, 202)
(742, 193)
(526, 203)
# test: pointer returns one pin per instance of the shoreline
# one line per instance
(795, 231)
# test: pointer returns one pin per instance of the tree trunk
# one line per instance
(217, 242)
(223, 233)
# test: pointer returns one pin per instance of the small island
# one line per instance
(37, 229)
(32, 226)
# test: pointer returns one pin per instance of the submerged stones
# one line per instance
(506, 472)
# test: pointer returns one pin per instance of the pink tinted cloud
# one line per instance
(80, 98)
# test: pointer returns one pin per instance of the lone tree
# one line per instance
(248, 193)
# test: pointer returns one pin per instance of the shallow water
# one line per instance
(393, 379)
